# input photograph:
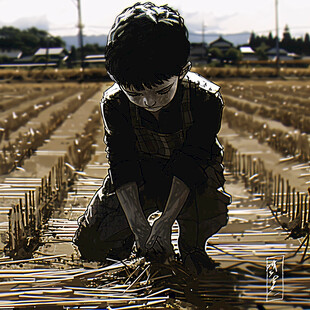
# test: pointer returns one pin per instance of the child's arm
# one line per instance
(159, 241)
(128, 197)
(124, 169)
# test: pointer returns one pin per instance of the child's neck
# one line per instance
(156, 114)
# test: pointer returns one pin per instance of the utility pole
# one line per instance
(277, 39)
(47, 51)
(203, 54)
(203, 32)
(80, 26)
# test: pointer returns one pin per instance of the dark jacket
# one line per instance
(188, 158)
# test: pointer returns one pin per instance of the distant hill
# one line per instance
(73, 40)
(236, 39)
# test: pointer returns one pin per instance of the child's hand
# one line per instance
(159, 245)
(142, 233)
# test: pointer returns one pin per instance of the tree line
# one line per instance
(299, 46)
(28, 41)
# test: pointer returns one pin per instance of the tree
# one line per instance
(306, 48)
(286, 34)
(233, 55)
(252, 39)
(72, 57)
(261, 51)
(93, 49)
(215, 52)
(29, 40)
(287, 42)
(271, 41)
(255, 41)
(4, 59)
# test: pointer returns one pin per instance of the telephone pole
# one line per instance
(203, 54)
(203, 33)
(80, 26)
(277, 39)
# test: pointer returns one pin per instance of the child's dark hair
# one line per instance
(147, 44)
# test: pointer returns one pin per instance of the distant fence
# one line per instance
(290, 207)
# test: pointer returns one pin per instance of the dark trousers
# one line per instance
(104, 231)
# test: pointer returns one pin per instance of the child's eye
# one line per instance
(164, 90)
(133, 94)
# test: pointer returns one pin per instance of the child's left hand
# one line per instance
(159, 245)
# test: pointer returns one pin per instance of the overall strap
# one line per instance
(186, 106)
(134, 113)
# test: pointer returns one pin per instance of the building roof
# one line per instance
(198, 49)
(221, 42)
(10, 53)
(246, 50)
(273, 51)
(50, 51)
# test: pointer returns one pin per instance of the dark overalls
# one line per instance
(103, 229)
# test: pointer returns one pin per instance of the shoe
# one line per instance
(197, 261)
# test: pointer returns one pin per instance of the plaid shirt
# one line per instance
(184, 137)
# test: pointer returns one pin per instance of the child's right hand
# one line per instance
(142, 232)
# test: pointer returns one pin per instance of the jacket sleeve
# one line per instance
(120, 140)
(201, 148)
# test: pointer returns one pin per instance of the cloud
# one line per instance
(213, 23)
(40, 22)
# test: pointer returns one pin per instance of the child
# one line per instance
(161, 123)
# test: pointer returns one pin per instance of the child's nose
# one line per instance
(148, 102)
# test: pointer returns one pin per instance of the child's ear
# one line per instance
(184, 70)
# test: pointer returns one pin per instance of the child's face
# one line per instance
(155, 98)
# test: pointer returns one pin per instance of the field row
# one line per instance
(29, 110)
(291, 109)
(13, 95)
(259, 110)
(33, 127)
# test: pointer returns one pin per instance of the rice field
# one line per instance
(52, 160)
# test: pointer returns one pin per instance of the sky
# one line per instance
(59, 17)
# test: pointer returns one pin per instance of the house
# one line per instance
(283, 54)
(52, 53)
(11, 54)
(198, 52)
(247, 53)
(221, 44)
